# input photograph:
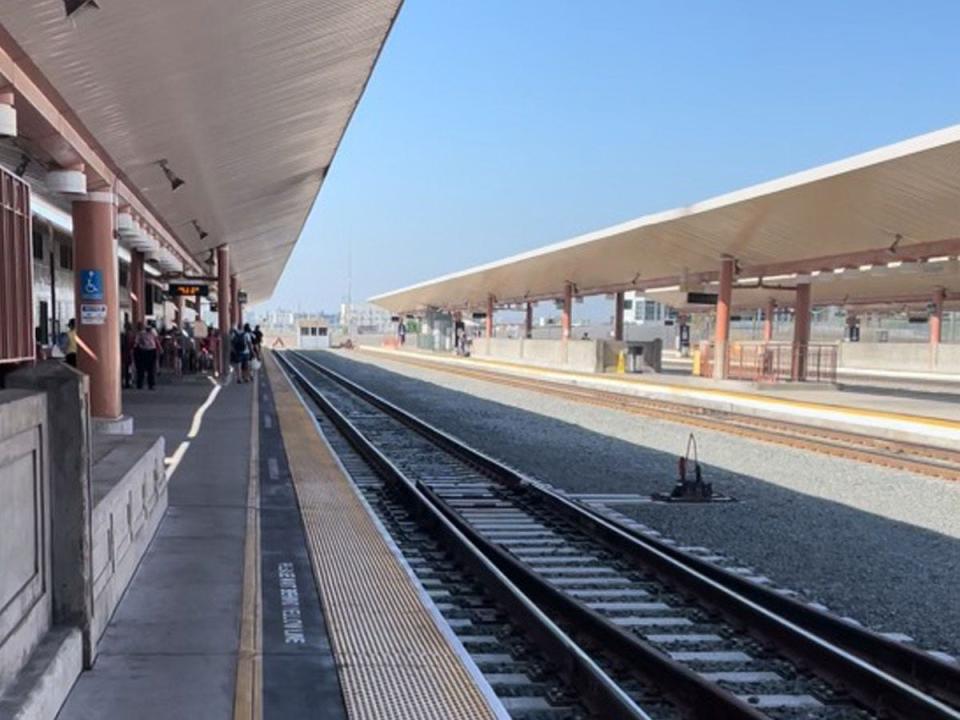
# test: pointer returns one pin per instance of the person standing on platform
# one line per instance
(214, 339)
(246, 353)
(460, 335)
(401, 332)
(257, 343)
(127, 342)
(70, 351)
(145, 352)
(236, 351)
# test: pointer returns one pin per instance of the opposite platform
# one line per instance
(930, 422)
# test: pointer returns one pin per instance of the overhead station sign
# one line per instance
(700, 298)
(189, 289)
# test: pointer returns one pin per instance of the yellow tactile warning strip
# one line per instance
(676, 390)
(394, 662)
(248, 697)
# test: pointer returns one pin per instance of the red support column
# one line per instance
(528, 322)
(97, 299)
(566, 318)
(223, 305)
(489, 333)
(618, 317)
(722, 332)
(137, 287)
(234, 314)
(234, 301)
(936, 317)
(768, 320)
(801, 332)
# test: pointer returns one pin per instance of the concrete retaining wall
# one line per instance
(25, 558)
(904, 357)
(579, 355)
(130, 498)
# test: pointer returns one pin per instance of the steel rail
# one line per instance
(598, 691)
(912, 457)
(879, 671)
(703, 699)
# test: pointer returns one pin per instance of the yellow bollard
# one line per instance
(696, 362)
(621, 362)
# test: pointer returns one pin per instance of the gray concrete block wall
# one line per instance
(67, 393)
(577, 355)
(905, 357)
(25, 562)
(131, 490)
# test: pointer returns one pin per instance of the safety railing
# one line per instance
(774, 362)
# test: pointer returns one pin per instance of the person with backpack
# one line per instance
(247, 356)
(240, 351)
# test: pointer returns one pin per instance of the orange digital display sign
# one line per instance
(189, 290)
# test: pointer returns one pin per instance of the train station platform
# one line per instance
(170, 649)
(269, 590)
(928, 418)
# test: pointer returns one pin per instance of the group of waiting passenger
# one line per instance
(146, 351)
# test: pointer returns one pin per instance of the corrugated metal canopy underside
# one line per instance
(863, 203)
(248, 100)
(909, 286)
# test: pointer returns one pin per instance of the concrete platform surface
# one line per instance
(170, 649)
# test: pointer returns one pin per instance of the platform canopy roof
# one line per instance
(897, 204)
(906, 287)
(247, 101)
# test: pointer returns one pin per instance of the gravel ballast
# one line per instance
(880, 546)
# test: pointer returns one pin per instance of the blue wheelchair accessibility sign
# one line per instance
(91, 285)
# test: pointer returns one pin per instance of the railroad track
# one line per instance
(638, 628)
(910, 457)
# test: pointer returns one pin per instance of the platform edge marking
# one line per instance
(248, 694)
(426, 679)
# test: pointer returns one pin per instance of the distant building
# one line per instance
(639, 309)
(279, 318)
(365, 317)
(313, 333)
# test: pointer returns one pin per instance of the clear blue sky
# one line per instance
(494, 127)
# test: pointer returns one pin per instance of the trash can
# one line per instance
(635, 362)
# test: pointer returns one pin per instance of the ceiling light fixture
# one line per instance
(74, 6)
(896, 241)
(21, 168)
(200, 231)
(175, 180)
